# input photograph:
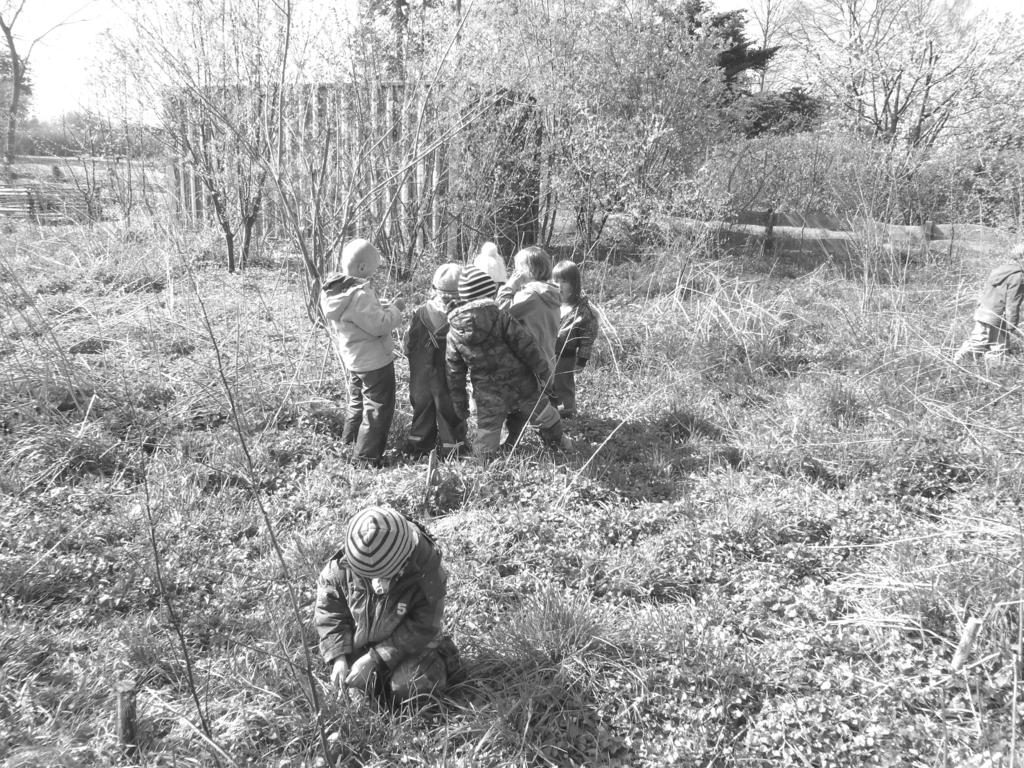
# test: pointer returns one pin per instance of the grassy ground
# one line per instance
(785, 506)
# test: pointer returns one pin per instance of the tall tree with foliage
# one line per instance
(737, 54)
(901, 70)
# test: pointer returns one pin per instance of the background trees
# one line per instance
(431, 127)
(897, 69)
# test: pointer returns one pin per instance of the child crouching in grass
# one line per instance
(998, 312)
(506, 367)
(576, 335)
(380, 610)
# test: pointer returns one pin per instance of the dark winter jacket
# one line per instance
(398, 625)
(577, 331)
(502, 359)
(537, 306)
(426, 340)
(1001, 297)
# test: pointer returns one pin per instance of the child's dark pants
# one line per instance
(433, 416)
(371, 407)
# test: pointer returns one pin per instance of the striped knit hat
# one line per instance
(475, 284)
(378, 543)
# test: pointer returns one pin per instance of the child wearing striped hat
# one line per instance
(380, 607)
(433, 415)
(504, 363)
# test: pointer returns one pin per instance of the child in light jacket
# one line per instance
(530, 297)
(361, 326)
(998, 313)
(433, 415)
(504, 363)
(576, 335)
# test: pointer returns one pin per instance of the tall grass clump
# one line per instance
(783, 508)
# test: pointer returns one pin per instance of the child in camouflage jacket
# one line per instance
(504, 363)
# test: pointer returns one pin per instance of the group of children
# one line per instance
(380, 599)
(519, 339)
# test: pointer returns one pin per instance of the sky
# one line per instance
(66, 62)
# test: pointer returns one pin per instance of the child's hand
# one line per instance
(339, 671)
(362, 672)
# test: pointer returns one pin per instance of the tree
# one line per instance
(19, 56)
(777, 112)
(737, 53)
(771, 17)
(628, 97)
(211, 64)
(900, 70)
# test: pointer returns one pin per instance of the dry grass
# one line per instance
(785, 504)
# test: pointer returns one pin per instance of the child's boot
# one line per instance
(554, 437)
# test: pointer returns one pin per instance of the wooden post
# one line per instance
(431, 471)
(769, 230)
(963, 649)
(127, 731)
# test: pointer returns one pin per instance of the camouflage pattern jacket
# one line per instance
(577, 331)
(399, 625)
(502, 358)
(1001, 298)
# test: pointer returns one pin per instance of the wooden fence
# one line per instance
(827, 235)
(49, 204)
(375, 157)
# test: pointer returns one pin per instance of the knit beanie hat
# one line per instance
(490, 262)
(446, 278)
(378, 543)
(475, 284)
(359, 258)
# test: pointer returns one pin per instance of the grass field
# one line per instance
(785, 506)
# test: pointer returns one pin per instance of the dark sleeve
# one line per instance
(332, 617)
(422, 622)
(1014, 297)
(563, 342)
(585, 331)
(524, 346)
(455, 371)
(409, 337)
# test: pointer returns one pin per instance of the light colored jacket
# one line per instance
(1000, 301)
(538, 306)
(360, 324)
